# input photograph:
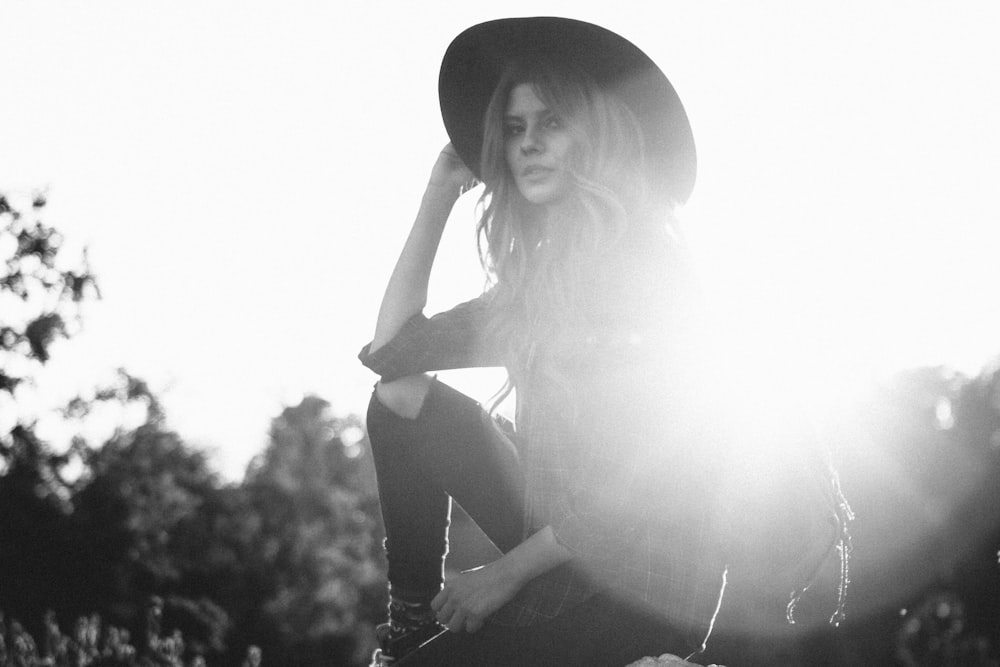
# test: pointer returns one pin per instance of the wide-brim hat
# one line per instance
(476, 59)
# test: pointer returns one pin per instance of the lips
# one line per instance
(536, 170)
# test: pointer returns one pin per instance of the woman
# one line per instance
(601, 501)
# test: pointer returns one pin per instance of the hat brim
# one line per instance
(476, 59)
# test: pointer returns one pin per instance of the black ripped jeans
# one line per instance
(454, 449)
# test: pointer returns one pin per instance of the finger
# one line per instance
(446, 615)
(438, 601)
(468, 185)
(457, 623)
(473, 624)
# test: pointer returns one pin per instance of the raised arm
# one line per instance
(406, 294)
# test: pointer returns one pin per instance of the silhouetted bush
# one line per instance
(92, 644)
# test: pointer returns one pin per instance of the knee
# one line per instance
(404, 397)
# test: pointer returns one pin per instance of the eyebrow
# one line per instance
(540, 113)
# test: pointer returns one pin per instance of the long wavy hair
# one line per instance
(561, 272)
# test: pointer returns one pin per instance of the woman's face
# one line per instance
(537, 146)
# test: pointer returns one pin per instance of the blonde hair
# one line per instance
(559, 272)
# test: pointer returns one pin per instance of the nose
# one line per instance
(531, 141)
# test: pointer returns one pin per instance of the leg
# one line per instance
(450, 447)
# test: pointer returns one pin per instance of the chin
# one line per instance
(544, 196)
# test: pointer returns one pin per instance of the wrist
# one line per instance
(512, 571)
(537, 554)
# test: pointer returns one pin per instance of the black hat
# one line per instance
(476, 59)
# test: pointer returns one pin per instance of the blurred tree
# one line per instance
(140, 530)
(38, 297)
(129, 519)
(919, 460)
(318, 546)
(975, 532)
(40, 294)
(143, 524)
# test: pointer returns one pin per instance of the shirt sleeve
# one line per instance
(451, 339)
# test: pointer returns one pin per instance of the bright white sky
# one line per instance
(244, 174)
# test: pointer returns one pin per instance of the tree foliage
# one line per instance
(39, 296)
(289, 559)
(312, 491)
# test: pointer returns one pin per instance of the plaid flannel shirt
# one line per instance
(611, 474)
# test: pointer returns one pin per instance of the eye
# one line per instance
(553, 122)
(512, 129)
